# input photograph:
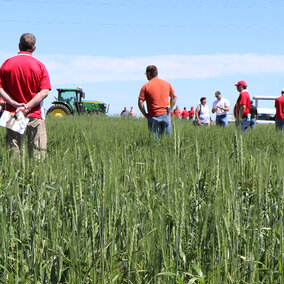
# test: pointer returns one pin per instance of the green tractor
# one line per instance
(70, 101)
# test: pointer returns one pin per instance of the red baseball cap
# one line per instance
(243, 83)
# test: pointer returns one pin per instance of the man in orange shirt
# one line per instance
(156, 93)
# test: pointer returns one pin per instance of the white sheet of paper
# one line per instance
(17, 124)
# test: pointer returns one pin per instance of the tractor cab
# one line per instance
(73, 98)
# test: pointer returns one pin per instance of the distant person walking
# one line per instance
(25, 80)
(242, 107)
(253, 115)
(156, 93)
(279, 116)
(221, 106)
(184, 114)
(125, 112)
(202, 113)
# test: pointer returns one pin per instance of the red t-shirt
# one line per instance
(22, 77)
(279, 105)
(184, 113)
(156, 93)
(191, 113)
(177, 112)
(244, 99)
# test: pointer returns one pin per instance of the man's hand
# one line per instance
(17, 105)
(23, 108)
(141, 107)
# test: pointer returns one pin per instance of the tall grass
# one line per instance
(112, 205)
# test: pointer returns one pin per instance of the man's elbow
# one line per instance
(174, 96)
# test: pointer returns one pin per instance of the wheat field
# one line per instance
(110, 204)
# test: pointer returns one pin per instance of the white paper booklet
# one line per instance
(16, 122)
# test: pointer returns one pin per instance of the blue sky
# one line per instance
(199, 46)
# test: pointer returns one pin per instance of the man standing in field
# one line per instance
(24, 84)
(242, 107)
(191, 113)
(184, 114)
(156, 93)
(221, 107)
(279, 116)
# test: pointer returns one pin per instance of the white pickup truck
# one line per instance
(265, 115)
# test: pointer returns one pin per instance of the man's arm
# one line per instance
(241, 112)
(6, 97)
(141, 107)
(226, 108)
(36, 100)
(173, 100)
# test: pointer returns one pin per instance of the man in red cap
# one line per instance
(279, 116)
(242, 107)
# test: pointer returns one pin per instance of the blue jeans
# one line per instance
(222, 120)
(243, 124)
(279, 124)
(160, 124)
(252, 123)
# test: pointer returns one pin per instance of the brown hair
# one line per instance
(27, 42)
(152, 69)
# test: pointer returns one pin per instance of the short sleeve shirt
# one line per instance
(22, 77)
(279, 105)
(244, 99)
(156, 93)
(221, 103)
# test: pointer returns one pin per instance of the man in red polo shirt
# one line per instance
(184, 114)
(242, 107)
(279, 116)
(156, 93)
(24, 84)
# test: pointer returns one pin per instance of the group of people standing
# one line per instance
(245, 112)
(185, 114)
(126, 112)
(157, 92)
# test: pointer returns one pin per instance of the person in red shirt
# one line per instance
(191, 113)
(184, 114)
(24, 84)
(156, 93)
(242, 107)
(279, 116)
(177, 112)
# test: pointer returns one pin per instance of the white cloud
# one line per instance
(67, 69)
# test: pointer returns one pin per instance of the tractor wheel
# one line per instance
(59, 110)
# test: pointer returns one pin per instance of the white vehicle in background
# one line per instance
(265, 115)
